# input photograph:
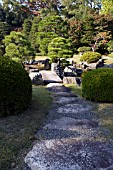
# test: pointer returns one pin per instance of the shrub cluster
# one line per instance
(90, 57)
(84, 49)
(15, 87)
(110, 55)
(97, 85)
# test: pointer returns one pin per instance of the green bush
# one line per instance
(97, 85)
(15, 87)
(110, 55)
(16, 59)
(90, 57)
(84, 49)
(110, 46)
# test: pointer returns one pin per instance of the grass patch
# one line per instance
(41, 57)
(108, 60)
(105, 115)
(76, 58)
(17, 132)
(104, 111)
(76, 89)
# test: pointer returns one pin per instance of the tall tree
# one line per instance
(50, 27)
(27, 27)
(33, 33)
(80, 8)
(103, 31)
(75, 33)
(60, 48)
(13, 13)
(37, 6)
(4, 30)
(88, 31)
(17, 45)
(2, 13)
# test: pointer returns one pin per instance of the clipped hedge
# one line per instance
(90, 57)
(97, 85)
(15, 87)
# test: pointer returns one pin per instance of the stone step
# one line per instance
(64, 100)
(90, 115)
(70, 154)
(58, 89)
(71, 138)
(67, 123)
(65, 94)
(69, 128)
(73, 108)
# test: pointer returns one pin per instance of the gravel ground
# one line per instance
(71, 138)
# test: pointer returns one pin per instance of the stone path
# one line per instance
(71, 138)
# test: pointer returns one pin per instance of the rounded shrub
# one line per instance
(15, 87)
(84, 49)
(97, 85)
(110, 55)
(90, 57)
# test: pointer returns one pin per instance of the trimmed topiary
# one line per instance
(84, 49)
(90, 57)
(97, 85)
(15, 87)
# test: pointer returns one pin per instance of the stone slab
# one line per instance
(73, 108)
(70, 154)
(66, 127)
(65, 94)
(50, 77)
(65, 100)
(67, 123)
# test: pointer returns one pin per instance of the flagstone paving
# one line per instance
(71, 138)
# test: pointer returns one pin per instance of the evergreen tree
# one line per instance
(33, 33)
(36, 7)
(59, 48)
(50, 27)
(4, 29)
(88, 31)
(27, 27)
(14, 15)
(78, 9)
(17, 45)
(2, 13)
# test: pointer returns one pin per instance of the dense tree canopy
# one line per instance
(85, 22)
(50, 27)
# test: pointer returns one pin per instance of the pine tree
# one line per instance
(59, 48)
(50, 27)
(33, 33)
(27, 27)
